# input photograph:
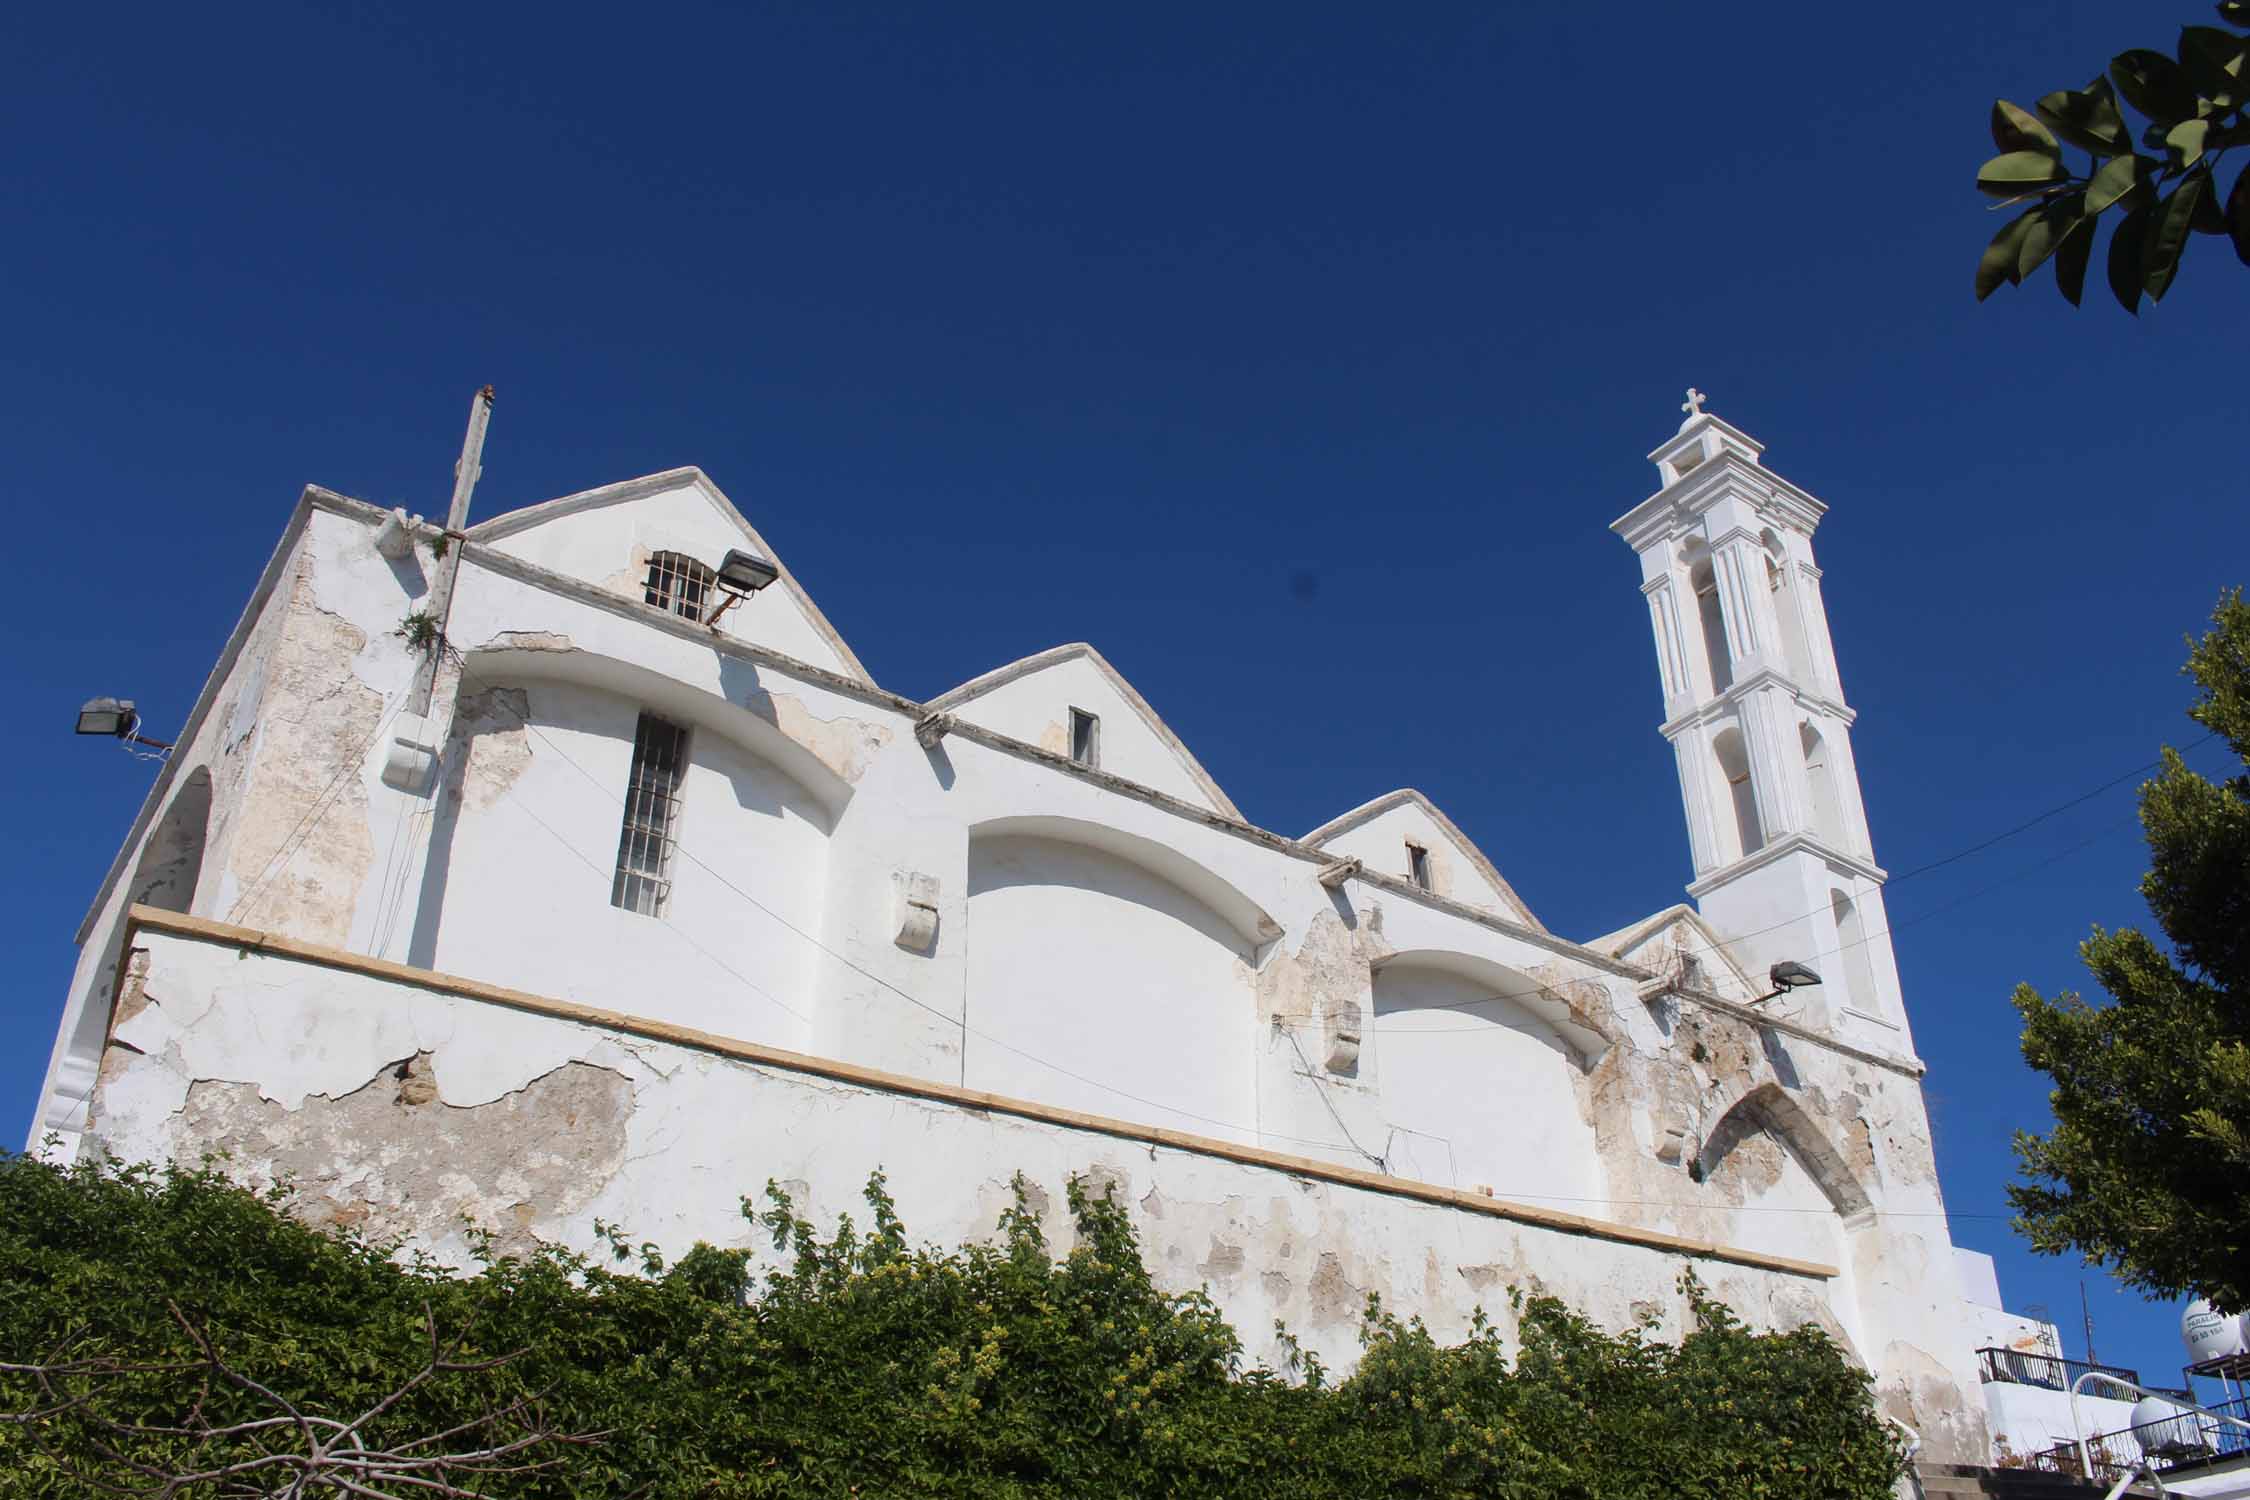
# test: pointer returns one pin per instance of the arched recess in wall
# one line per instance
(1710, 615)
(1112, 974)
(1480, 1069)
(1852, 954)
(527, 833)
(1820, 779)
(1782, 582)
(171, 862)
(1734, 767)
(1796, 1194)
(166, 875)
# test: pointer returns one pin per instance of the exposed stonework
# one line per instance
(302, 847)
(391, 1158)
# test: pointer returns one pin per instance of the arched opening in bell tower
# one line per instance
(1820, 780)
(1712, 616)
(1734, 765)
(1781, 582)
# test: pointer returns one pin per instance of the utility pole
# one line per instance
(2086, 1311)
(440, 609)
(413, 754)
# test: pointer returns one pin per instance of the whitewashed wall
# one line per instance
(1100, 943)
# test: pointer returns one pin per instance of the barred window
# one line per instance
(652, 815)
(679, 583)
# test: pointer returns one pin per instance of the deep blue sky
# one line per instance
(1299, 357)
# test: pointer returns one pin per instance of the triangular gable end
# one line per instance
(605, 537)
(1377, 834)
(1031, 700)
(1664, 942)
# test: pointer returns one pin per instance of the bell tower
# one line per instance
(1755, 714)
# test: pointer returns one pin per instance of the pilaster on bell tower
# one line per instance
(1754, 710)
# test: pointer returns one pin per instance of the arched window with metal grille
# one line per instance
(680, 584)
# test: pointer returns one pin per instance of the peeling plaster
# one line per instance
(302, 847)
(390, 1158)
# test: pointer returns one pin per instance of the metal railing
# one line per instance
(2192, 1434)
(2046, 1371)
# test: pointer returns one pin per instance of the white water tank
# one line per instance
(2166, 1428)
(2209, 1334)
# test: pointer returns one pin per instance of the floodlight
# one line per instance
(740, 576)
(113, 717)
(1790, 975)
(116, 719)
(746, 573)
(1786, 976)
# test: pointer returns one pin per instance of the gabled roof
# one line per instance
(625, 491)
(1446, 828)
(1622, 941)
(977, 687)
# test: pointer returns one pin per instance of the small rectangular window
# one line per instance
(652, 815)
(1418, 865)
(1085, 738)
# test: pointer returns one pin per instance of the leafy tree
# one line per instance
(2194, 104)
(2148, 1167)
(859, 1364)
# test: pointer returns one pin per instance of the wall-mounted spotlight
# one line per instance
(1786, 976)
(741, 575)
(115, 718)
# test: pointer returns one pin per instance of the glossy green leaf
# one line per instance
(2112, 182)
(2168, 234)
(2020, 172)
(1998, 263)
(2153, 84)
(2238, 216)
(2213, 60)
(2186, 141)
(2018, 129)
(2210, 216)
(2125, 258)
(2049, 225)
(2087, 118)
(2071, 255)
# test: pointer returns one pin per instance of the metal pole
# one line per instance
(456, 519)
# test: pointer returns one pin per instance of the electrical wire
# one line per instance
(1251, 1130)
(293, 843)
(1978, 848)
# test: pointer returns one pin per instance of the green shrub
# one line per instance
(865, 1366)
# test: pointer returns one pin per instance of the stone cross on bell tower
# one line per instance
(1756, 717)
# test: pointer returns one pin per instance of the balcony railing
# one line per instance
(2170, 1444)
(2047, 1371)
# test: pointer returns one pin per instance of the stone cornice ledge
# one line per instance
(1789, 843)
(200, 929)
(1911, 1067)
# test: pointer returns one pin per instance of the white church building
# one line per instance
(660, 896)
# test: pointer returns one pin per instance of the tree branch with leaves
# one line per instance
(238, 1436)
(2194, 104)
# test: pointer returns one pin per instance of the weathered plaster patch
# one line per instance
(531, 640)
(490, 747)
(303, 848)
(391, 1159)
(845, 746)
